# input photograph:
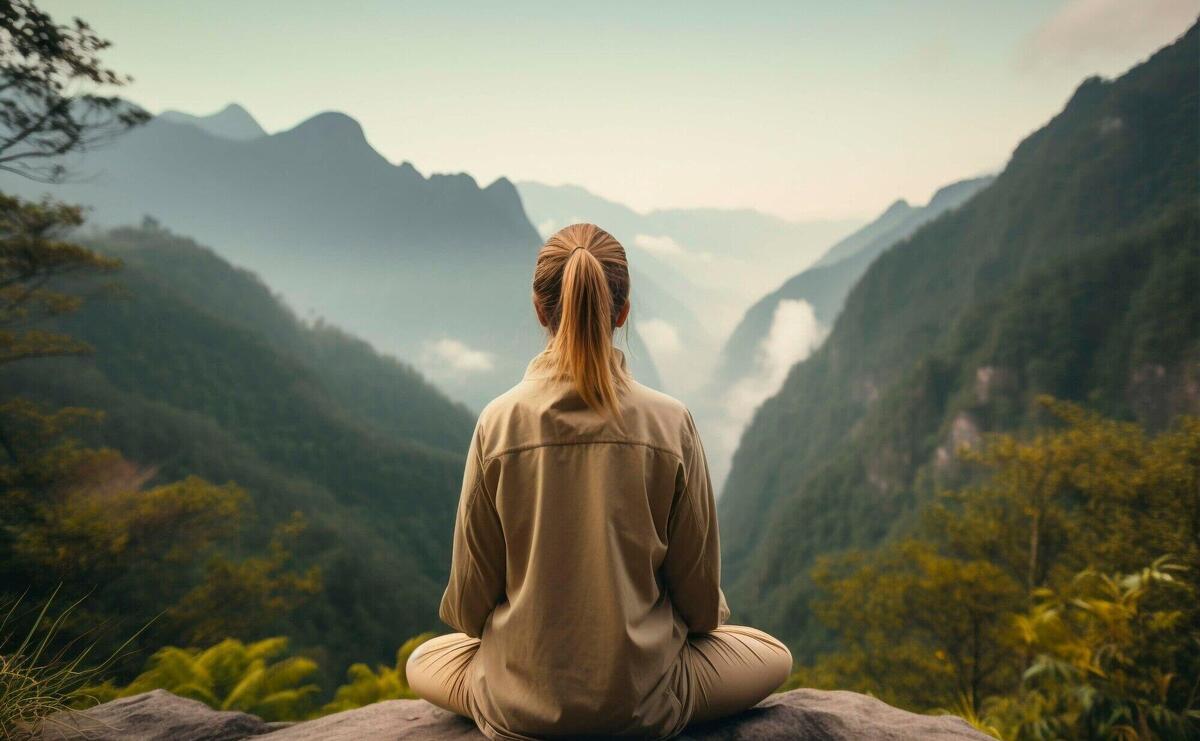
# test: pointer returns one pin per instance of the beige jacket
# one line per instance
(584, 552)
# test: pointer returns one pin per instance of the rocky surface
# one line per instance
(799, 714)
(152, 716)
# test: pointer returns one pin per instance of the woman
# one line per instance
(585, 577)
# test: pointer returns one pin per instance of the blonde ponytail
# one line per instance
(580, 285)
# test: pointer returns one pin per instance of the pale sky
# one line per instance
(802, 109)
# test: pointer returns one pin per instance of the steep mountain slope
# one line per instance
(1075, 273)
(434, 270)
(199, 370)
(902, 219)
(787, 324)
(875, 231)
(824, 286)
(375, 388)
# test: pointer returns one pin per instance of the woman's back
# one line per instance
(564, 527)
(586, 569)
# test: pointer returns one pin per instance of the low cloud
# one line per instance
(795, 332)
(1107, 36)
(448, 354)
(661, 337)
(658, 245)
(674, 357)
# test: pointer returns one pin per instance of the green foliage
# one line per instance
(1074, 495)
(1106, 659)
(255, 678)
(240, 596)
(230, 675)
(256, 397)
(199, 371)
(32, 253)
(372, 388)
(385, 683)
(83, 520)
(915, 619)
(90, 521)
(1053, 599)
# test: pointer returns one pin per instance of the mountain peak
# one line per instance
(502, 185)
(954, 194)
(233, 109)
(504, 192)
(332, 124)
(231, 122)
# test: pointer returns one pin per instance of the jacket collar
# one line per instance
(532, 371)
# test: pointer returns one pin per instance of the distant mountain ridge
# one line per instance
(826, 284)
(1074, 274)
(712, 243)
(875, 231)
(231, 122)
(435, 270)
(901, 219)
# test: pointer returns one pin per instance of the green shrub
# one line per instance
(367, 686)
(228, 676)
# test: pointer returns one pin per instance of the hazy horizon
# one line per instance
(800, 110)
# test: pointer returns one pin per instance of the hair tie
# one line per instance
(572, 252)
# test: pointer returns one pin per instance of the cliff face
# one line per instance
(799, 714)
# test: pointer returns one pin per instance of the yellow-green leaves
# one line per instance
(367, 686)
(230, 675)
(1055, 598)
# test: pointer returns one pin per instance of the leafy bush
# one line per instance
(367, 686)
(228, 676)
(1103, 662)
(1038, 602)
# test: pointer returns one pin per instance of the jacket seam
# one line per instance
(480, 462)
(472, 499)
(687, 485)
(533, 446)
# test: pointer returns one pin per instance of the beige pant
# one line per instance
(731, 669)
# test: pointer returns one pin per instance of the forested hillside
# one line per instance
(1075, 273)
(199, 371)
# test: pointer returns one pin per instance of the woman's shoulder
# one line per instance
(517, 398)
(659, 403)
(529, 413)
(658, 416)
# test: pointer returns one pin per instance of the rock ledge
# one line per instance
(799, 714)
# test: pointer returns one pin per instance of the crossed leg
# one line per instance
(733, 668)
(730, 669)
(437, 671)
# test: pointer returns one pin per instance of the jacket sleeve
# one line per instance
(692, 568)
(477, 564)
